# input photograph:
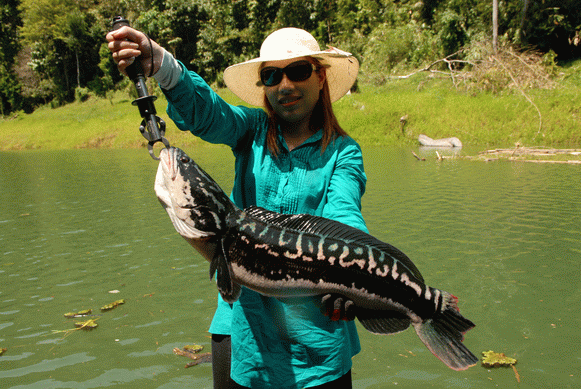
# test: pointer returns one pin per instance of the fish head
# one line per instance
(195, 203)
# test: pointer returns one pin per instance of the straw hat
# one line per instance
(243, 79)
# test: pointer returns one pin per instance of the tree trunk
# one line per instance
(494, 25)
(78, 70)
(522, 19)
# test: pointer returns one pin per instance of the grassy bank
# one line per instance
(433, 107)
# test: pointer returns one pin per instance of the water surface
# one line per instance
(75, 225)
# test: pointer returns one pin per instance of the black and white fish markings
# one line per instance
(302, 255)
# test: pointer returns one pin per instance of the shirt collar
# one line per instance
(316, 137)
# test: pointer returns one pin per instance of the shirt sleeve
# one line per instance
(195, 107)
(346, 187)
(169, 72)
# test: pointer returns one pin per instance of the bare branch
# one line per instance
(449, 62)
(523, 93)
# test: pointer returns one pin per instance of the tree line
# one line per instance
(54, 50)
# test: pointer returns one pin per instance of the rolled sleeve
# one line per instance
(346, 187)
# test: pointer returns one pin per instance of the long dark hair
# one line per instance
(322, 117)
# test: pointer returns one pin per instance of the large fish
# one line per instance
(302, 255)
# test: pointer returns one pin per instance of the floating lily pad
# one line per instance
(492, 359)
(114, 304)
(78, 314)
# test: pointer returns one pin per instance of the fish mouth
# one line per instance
(168, 162)
(167, 178)
(166, 172)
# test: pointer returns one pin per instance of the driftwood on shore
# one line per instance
(535, 155)
(521, 154)
(533, 151)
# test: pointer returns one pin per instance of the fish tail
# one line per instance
(443, 334)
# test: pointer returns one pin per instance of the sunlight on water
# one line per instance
(76, 225)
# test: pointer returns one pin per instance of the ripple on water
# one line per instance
(127, 341)
(70, 283)
(10, 312)
(112, 377)
(153, 323)
(50, 341)
(10, 357)
(47, 365)
(31, 335)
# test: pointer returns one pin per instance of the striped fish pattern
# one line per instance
(302, 255)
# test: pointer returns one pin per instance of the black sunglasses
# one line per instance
(296, 71)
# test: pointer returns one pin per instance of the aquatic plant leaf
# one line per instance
(193, 348)
(86, 325)
(188, 351)
(82, 325)
(114, 304)
(192, 352)
(78, 314)
(492, 359)
(200, 358)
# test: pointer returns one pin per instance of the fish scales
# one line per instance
(302, 255)
(325, 264)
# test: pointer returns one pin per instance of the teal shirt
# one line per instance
(278, 343)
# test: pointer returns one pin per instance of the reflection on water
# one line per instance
(74, 225)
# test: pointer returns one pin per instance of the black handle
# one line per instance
(135, 70)
(152, 126)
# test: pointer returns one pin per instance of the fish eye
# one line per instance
(185, 159)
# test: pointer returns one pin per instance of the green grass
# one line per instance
(434, 107)
(96, 123)
(438, 110)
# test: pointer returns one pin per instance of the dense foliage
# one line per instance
(54, 50)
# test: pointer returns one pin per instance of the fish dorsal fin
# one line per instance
(310, 224)
(229, 290)
(383, 322)
(331, 228)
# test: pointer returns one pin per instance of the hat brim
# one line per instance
(244, 81)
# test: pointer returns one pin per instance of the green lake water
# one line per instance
(75, 225)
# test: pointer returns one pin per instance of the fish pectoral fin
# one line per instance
(229, 290)
(214, 265)
(383, 322)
